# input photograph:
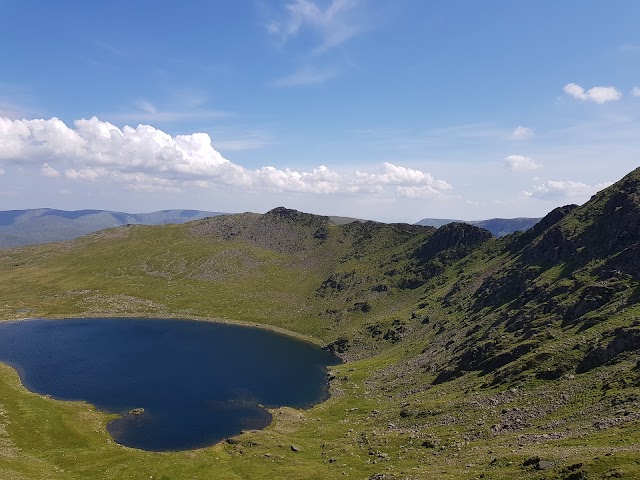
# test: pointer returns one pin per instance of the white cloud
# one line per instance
(635, 92)
(147, 159)
(602, 186)
(595, 94)
(1, 171)
(558, 189)
(522, 133)
(86, 174)
(419, 192)
(49, 171)
(143, 182)
(395, 174)
(519, 163)
(23, 138)
(335, 24)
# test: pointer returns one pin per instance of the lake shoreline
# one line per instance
(168, 316)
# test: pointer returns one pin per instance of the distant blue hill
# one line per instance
(42, 225)
(499, 227)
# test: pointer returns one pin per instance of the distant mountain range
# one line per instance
(42, 225)
(499, 227)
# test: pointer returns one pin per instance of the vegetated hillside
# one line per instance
(499, 227)
(467, 355)
(42, 225)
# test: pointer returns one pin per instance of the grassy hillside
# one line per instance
(467, 356)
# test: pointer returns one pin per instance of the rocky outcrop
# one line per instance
(625, 262)
(281, 229)
(448, 244)
(592, 298)
(299, 218)
(341, 345)
(486, 357)
(456, 239)
(625, 340)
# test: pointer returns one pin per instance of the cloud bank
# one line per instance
(147, 159)
(595, 94)
(558, 189)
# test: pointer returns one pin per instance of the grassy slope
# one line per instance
(386, 415)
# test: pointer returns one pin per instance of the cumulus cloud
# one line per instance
(522, 133)
(635, 92)
(419, 192)
(49, 171)
(595, 94)
(147, 159)
(554, 189)
(86, 174)
(519, 163)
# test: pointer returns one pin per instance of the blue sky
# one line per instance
(393, 111)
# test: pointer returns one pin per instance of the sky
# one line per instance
(391, 111)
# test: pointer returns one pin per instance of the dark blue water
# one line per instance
(198, 382)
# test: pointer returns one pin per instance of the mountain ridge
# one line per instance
(456, 343)
(42, 225)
